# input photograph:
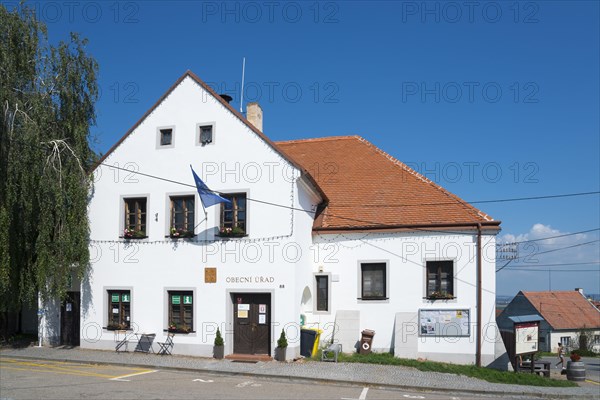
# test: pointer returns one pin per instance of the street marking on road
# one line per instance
(202, 380)
(248, 383)
(31, 366)
(363, 395)
(121, 378)
(594, 382)
(409, 396)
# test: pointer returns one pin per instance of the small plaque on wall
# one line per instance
(210, 275)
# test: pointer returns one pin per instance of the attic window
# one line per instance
(206, 134)
(166, 137)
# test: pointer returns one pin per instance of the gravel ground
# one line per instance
(353, 373)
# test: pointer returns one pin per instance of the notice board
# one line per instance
(444, 322)
(526, 338)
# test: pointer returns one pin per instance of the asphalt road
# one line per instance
(592, 366)
(36, 379)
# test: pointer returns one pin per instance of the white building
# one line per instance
(332, 233)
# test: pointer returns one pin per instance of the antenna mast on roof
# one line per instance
(242, 94)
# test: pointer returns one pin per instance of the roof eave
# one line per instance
(488, 226)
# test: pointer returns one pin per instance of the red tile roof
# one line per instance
(565, 309)
(369, 189)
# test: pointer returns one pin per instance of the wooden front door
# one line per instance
(252, 323)
(69, 319)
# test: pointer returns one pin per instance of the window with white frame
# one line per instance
(135, 218)
(165, 137)
(181, 311)
(205, 133)
(119, 309)
(322, 292)
(233, 216)
(182, 216)
(440, 279)
(373, 279)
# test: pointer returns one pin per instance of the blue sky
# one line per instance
(492, 101)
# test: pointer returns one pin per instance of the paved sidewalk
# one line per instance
(351, 373)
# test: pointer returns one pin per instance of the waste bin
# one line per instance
(366, 341)
(309, 341)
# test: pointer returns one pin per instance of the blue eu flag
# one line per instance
(207, 196)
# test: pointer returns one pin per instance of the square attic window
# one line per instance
(206, 134)
(166, 137)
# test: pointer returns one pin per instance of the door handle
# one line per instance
(253, 327)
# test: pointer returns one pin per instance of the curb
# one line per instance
(328, 381)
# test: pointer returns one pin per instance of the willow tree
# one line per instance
(47, 96)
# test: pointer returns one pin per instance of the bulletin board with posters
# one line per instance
(526, 338)
(447, 322)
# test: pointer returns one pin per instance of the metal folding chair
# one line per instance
(167, 346)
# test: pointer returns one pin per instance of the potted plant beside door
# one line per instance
(219, 348)
(281, 346)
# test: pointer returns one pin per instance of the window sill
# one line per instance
(180, 237)
(439, 298)
(117, 329)
(133, 238)
(241, 235)
(372, 298)
(181, 332)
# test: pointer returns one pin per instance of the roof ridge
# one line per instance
(421, 177)
(321, 139)
(551, 291)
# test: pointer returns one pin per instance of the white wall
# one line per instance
(279, 248)
(238, 160)
(406, 254)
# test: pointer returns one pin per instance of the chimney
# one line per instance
(254, 115)
(580, 290)
(226, 97)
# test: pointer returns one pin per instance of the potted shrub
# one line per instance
(219, 348)
(281, 346)
(575, 367)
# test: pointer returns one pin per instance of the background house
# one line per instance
(566, 314)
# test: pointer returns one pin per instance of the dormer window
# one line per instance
(205, 133)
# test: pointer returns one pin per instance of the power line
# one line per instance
(552, 196)
(550, 237)
(355, 219)
(553, 270)
(555, 265)
(548, 251)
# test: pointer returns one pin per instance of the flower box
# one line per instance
(440, 296)
(181, 234)
(117, 327)
(133, 234)
(173, 328)
(231, 232)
